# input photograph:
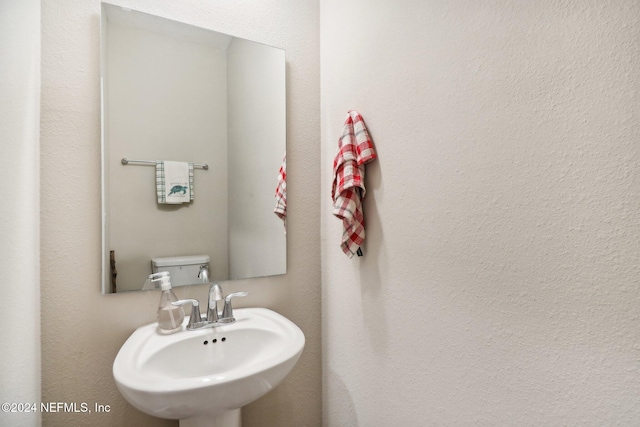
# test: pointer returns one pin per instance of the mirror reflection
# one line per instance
(200, 116)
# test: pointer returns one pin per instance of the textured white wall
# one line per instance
(19, 209)
(500, 282)
(83, 330)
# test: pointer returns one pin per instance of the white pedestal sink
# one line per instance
(204, 377)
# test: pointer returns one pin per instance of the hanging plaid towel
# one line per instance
(355, 149)
(174, 182)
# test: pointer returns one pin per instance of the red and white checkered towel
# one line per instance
(281, 193)
(355, 149)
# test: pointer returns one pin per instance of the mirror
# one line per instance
(175, 92)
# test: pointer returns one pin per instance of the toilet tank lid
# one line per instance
(180, 260)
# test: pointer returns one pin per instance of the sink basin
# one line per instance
(204, 377)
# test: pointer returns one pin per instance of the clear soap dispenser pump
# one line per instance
(170, 317)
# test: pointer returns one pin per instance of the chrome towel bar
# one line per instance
(126, 161)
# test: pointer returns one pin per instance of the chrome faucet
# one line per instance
(215, 295)
(213, 317)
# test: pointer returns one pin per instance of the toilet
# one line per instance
(183, 270)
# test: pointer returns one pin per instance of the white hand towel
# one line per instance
(174, 182)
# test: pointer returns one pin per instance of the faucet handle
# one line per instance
(195, 318)
(227, 312)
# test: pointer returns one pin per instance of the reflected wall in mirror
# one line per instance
(175, 92)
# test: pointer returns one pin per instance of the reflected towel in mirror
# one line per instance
(174, 182)
(281, 193)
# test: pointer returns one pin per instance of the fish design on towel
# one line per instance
(355, 149)
(178, 189)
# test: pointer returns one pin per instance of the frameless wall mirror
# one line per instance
(172, 92)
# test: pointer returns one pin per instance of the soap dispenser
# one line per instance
(170, 316)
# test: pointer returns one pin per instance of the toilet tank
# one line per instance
(183, 270)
